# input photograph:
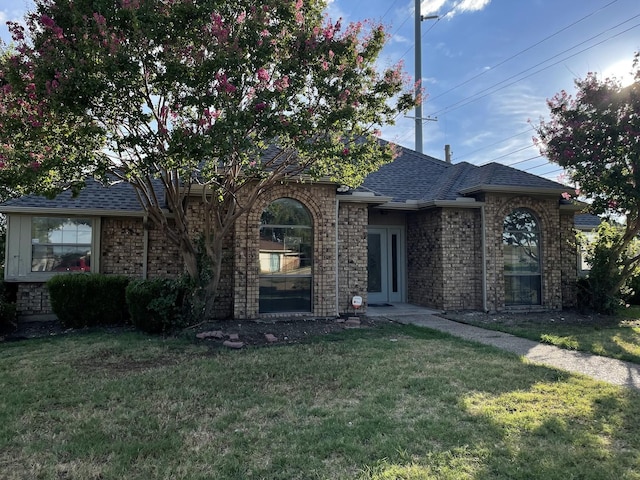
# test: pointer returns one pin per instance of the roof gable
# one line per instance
(416, 177)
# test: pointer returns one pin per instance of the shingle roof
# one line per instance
(95, 196)
(587, 221)
(414, 176)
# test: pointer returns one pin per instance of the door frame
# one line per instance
(393, 270)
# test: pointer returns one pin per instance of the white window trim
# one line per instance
(18, 248)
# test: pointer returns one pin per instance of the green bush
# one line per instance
(156, 305)
(88, 299)
(633, 285)
(8, 320)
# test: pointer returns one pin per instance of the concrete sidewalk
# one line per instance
(600, 368)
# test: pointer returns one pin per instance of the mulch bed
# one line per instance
(216, 333)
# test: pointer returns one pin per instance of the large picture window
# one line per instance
(39, 247)
(286, 253)
(521, 249)
(60, 244)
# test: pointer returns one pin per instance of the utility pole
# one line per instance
(418, 70)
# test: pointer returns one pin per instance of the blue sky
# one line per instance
(488, 65)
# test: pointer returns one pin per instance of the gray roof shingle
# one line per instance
(95, 196)
(412, 176)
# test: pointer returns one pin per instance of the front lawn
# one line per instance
(615, 337)
(398, 402)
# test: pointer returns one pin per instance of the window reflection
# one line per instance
(521, 251)
(286, 253)
(60, 244)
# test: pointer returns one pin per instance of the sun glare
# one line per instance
(622, 70)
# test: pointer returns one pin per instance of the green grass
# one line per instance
(398, 402)
(619, 339)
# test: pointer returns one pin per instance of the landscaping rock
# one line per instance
(234, 337)
(270, 337)
(352, 322)
(214, 334)
(235, 345)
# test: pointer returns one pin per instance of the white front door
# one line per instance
(385, 265)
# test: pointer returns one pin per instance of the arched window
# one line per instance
(286, 257)
(521, 247)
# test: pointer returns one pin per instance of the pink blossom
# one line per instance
(100, 20)
(282, 83)
(2, 164)
(566, 195)
(345, 151)
(325, 65)
(263, 75)
(344, 95)
(241, 18)
(260, 106)
(47, 21)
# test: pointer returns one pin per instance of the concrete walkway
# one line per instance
(600, 368)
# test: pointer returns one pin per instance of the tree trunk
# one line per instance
(214, 253)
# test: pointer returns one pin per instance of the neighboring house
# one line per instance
(587, 224)
(419, 230)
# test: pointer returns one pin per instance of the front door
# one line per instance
(385, 265)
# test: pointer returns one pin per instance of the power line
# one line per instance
(523, 51)
(494, 143)
(528, 160)
(508, 154)
(489, 91)
(389, 9)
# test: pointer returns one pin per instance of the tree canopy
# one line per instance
(170, 95)
(595, 136)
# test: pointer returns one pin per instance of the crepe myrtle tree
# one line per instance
(595, 136)
(182, 97)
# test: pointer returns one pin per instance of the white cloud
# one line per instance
(430, 7)
(471, 5)
(396, 38)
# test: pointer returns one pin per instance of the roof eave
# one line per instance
(91, 212)
(547, 191)
(426, 204)
(574, 207)
(363, 197)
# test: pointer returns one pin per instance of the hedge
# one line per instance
(89, 299)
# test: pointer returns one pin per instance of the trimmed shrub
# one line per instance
(156, 305)
(89, 299)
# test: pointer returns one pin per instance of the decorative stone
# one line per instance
(352, 322)
(270, 337)
(234, 337)
(213, 334)
(235, 345)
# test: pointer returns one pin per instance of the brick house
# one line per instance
(419, 230)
